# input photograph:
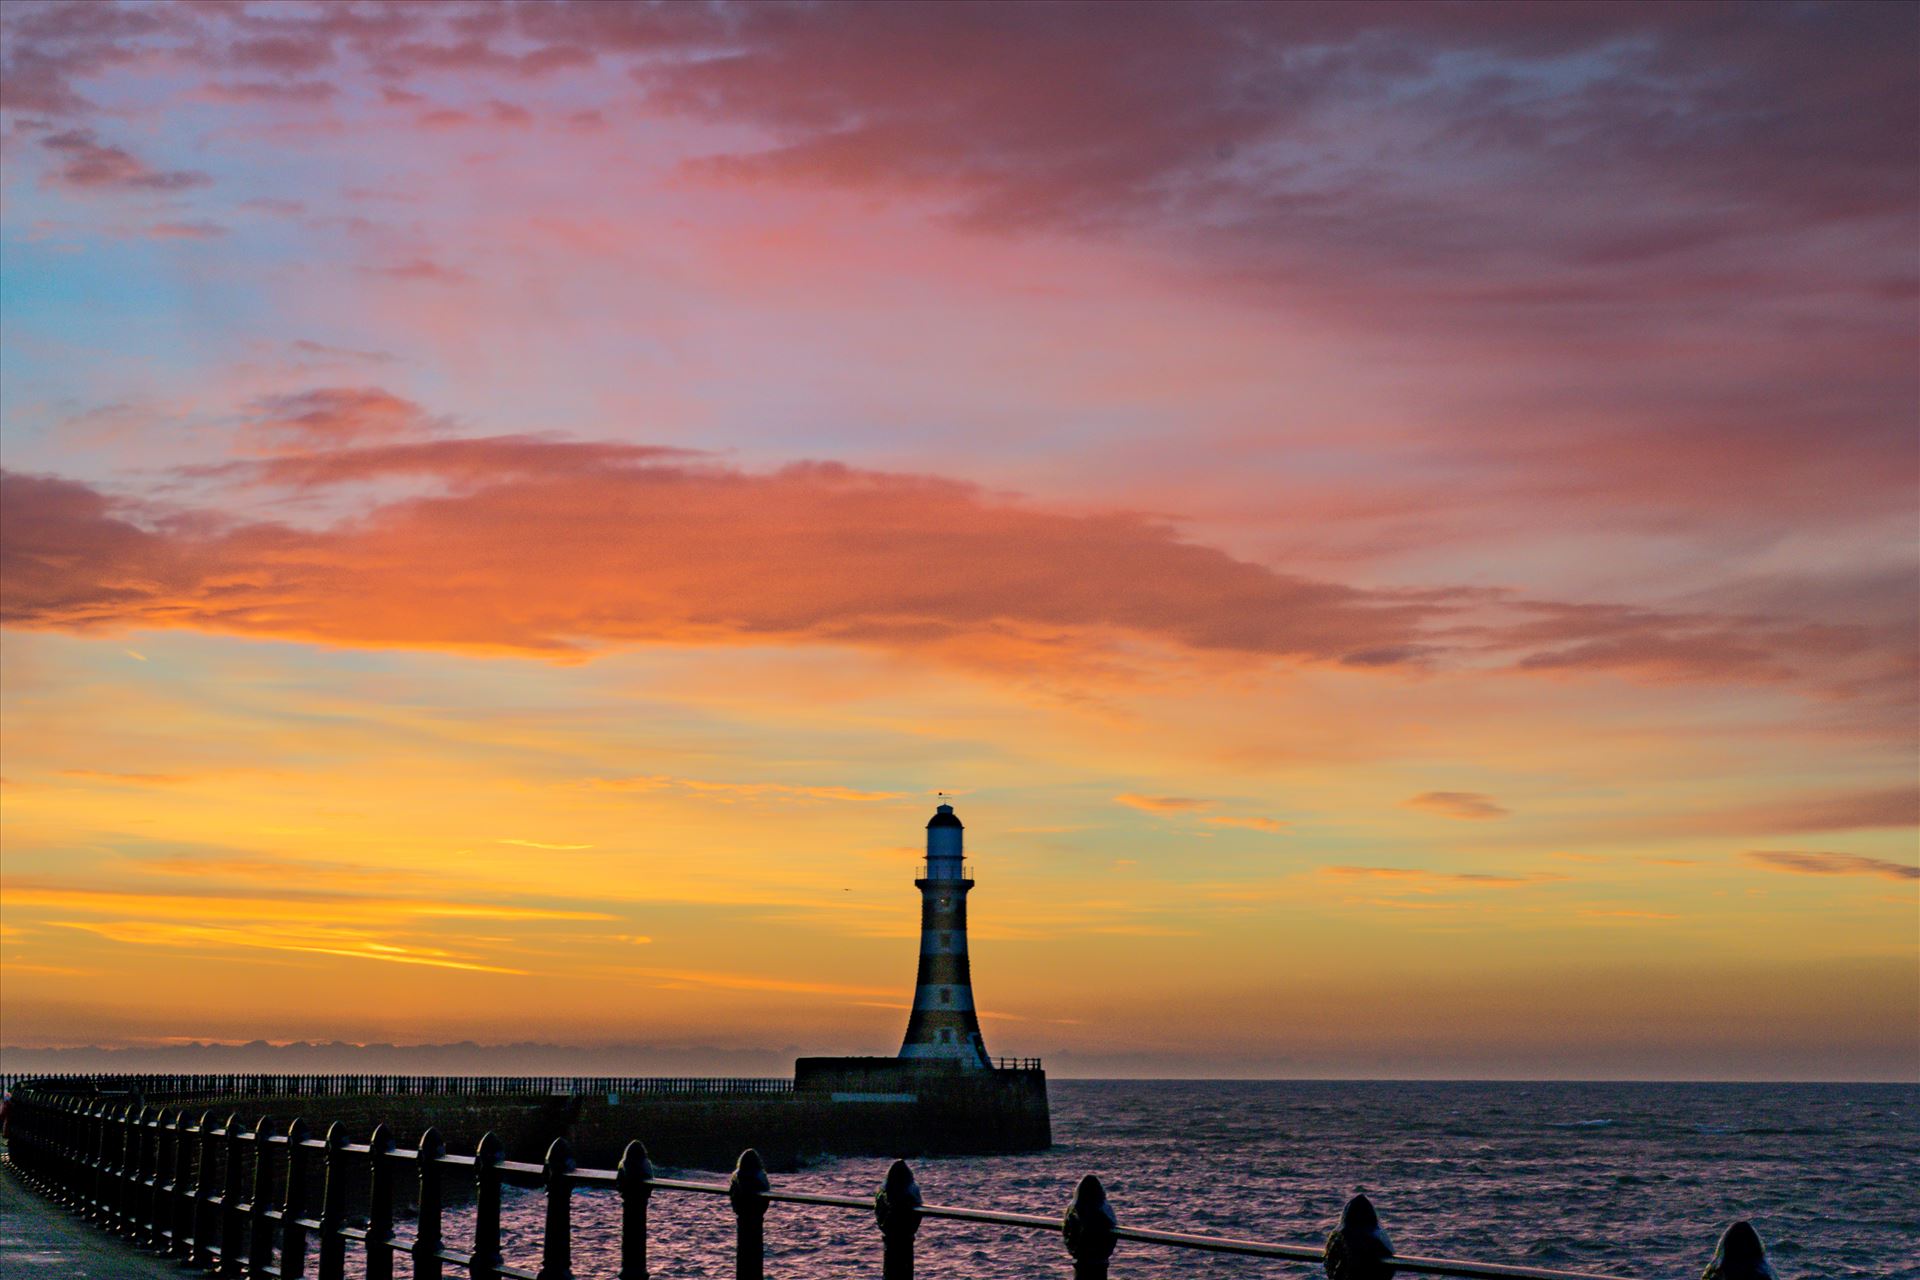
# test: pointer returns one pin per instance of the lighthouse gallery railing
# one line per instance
(238, 1201)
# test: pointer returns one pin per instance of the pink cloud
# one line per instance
(1831, 811)
(302, 92)
(85, 163)
(330, 417)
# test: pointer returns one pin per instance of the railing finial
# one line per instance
(556, 1244)
(632, 1178)
(747, 1191)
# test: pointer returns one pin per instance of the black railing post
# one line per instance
(1740, 1256)
(132, 1138)
(1089, 1230)
(380, 1204)
(127, 1172)
(95, 1138)
(333, 1206)
(260, 1203)
(206, 1220)
(160, 1194)
(148, 1194)
(126, 1152)
(746, 1191)
(1359, 1247)
(146, 1187)
(233, 1222)
(186, 1200)
(556, 1249)
(427, 1241)
(897, 1209)
(293, 1206)
(486, 1218)
(634, 1175)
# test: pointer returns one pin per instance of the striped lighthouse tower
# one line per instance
(944, 1026)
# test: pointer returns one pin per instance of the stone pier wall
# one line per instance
(878, 1114)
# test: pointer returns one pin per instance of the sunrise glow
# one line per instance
(1399, 537)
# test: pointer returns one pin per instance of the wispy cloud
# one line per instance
(1604, 913)
(1251, 824)
(298, 937)
(1469, 805)
(1830, 864)
(758, 982)
(1486, 879)
(185, 231)
(83, 162)
(1831, 811)
(1160, 804)
(424, 270)
(541, 844)
(745, 790)
(127, 779)
(253, 905)
(309, 873)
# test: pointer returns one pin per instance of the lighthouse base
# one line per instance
(929, 1107)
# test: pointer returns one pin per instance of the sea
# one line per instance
(1634, 1180)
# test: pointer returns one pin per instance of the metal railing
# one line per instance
(236, 1201)
(342, 1086)
(926, 870)
(1016, 1064)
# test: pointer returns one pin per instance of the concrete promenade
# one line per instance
(41, 1241)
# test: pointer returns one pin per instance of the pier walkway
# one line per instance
(41, 1241)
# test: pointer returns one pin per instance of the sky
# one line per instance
(1396, 526)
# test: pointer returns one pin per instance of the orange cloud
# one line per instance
(1251, 824)
(552, 547)
(1160, 804)
(539, 546)
(1830, 864)
(1470, 805)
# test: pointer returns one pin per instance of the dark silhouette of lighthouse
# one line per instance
(944, 1027)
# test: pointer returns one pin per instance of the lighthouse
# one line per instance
(944, 1026)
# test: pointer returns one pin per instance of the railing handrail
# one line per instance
(926, 869)
(127, 1165)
